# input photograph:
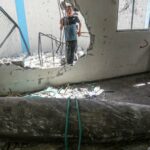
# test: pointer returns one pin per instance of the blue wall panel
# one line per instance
(22, 22)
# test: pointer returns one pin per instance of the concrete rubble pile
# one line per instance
(48, 61)
(33, 61)
(75, 91)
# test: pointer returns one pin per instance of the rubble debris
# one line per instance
(13, 60)
(74, 91)
(33, 61)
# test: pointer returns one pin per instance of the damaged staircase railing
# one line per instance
(15, 25)
(58, 47)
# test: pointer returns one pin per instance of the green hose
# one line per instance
(67, 124)
(79, 125)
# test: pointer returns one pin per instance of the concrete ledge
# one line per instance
(44, 120)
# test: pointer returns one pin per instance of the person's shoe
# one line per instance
(63, 62)
(70, 64)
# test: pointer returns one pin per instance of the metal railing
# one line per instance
(58, 44)
(15, 25)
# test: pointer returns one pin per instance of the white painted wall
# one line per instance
(13, 44)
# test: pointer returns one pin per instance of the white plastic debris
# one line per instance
(75, 91)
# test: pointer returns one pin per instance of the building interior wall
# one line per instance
(112, 53)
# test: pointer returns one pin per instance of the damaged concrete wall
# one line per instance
(114, 53)
(13, 45)
(15, 79)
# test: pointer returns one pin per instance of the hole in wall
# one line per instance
(59, 44)
(50, 50)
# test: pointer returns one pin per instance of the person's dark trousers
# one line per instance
(71, 47)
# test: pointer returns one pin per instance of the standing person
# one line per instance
(69, 23)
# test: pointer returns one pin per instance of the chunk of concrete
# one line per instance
(44, 120)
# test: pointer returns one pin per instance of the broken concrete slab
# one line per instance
(43, 120)
(16, 79)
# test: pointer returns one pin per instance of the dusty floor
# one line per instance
(131, 89)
